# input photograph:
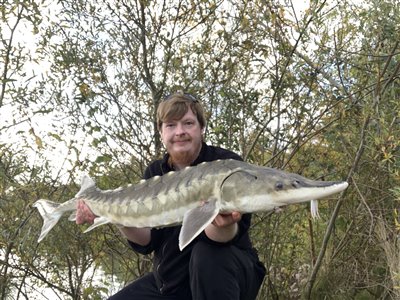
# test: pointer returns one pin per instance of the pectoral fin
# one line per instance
(196, 220)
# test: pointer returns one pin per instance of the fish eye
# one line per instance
(279, 186)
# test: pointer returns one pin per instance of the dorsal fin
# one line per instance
(87, 183)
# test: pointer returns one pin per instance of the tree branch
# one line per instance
(335, 213)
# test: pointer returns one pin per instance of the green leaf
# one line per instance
(103, 158)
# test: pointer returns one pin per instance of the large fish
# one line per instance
(193, 196)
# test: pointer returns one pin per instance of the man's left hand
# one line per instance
(223, 220)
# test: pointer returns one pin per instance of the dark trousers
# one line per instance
(223, 273)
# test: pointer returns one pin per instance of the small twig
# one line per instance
(366, 205)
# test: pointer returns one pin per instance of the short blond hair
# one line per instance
(176, 105)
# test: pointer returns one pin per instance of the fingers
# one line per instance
(223, 220)
(83, 213)
(236, 216)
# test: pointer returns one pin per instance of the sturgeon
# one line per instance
(192, 197)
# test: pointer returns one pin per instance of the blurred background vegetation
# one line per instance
(308, 87)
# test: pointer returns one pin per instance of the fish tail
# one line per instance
(50, 214)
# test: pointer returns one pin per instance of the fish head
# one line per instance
(262, 188)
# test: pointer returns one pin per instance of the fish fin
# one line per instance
(50, 215)
(314, 209)
(72, 217)
(98, 222)
(86, 183)
(196, 220)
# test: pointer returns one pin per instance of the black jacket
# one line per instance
(170, 265)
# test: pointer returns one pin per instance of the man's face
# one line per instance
(182, 138)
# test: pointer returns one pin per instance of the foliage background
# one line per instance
(313, 91)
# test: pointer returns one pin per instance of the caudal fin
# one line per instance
(51, 212)
(50, 215)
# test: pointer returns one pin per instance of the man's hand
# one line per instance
(224, 227)
(222, 220)
(140, 236)
(83, 213)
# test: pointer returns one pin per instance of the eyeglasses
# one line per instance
(181, 94)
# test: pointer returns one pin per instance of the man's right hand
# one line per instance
(83, 213)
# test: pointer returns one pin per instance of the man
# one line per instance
(220, 263)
